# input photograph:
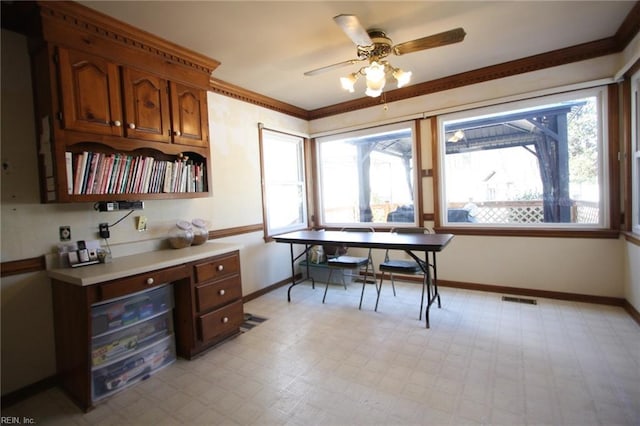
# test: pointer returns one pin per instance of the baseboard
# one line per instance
(28, 391)
(263, 291)
(631, 310)
(574, 297)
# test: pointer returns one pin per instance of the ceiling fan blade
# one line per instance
(429, 42)
(330, 67)
(352, 28)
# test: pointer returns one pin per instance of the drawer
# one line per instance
(121, 343)
(124, 312)
(136, 283)
(222, 322)
(217, 267)
(218, 293)
(111, 377)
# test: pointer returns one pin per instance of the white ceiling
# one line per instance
(266, 46)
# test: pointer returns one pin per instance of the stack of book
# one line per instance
(98, 173)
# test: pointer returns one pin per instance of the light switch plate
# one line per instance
(141, 223)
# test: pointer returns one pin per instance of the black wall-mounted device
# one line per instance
(112, 206)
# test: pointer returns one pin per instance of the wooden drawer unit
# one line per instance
(216, 295)
(221, 323)
(217, 268)
(111, 333)
(141, 282)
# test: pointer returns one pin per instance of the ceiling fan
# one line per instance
(373, 45)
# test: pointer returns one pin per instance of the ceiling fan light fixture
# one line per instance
(349, 82)
(402, 77)
(375, 73)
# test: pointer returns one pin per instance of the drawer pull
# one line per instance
(221, 292)
(220, 268)
(150, 281)
(225, 320)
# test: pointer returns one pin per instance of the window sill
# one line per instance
(539, 232)
(632, 238)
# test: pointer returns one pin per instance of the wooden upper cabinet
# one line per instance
(90, 89)
(189, 115)
(146, 106)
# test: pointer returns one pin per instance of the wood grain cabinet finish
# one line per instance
(147, 110)
(90, 91)
(190, 123)
(109, 91)
(217, 300)
(73, 323)
(207, 309)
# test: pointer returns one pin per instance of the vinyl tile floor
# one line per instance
(483, 361)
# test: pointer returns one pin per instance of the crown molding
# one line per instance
(614, 44)
(227, 89)
(94, 23)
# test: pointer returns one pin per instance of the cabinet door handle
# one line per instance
(132, 125)
(150, 281)
(221, 292)
(220, 268)
(117, 123)
(177, 133)
(225, 320)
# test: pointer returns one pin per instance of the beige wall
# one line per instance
(632, 274)
(30, 229)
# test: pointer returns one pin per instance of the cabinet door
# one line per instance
(146, 104)
(90, 88)
(190, 120)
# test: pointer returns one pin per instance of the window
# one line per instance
(283, 176)
(635, 151)
(367, 176)
(534, 163)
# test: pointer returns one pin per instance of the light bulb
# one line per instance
(402, 77)
(349, 81)
(374, 72)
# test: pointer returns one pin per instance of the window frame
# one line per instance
(608, 228)
(417, 183)
(634, 153)
(301, 167)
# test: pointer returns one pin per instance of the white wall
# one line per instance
(572, 265)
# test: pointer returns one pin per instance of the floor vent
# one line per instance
(251, 321)
(519, 300)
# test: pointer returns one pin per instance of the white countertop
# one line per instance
(139, 263)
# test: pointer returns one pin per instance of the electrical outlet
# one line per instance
(141, 223)
(65, 233)
(104, 230)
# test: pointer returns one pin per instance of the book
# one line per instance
(91, 175)
(81, 164)
(114, 174)
(99, 174)
(108, 167)
(125, 175)
(168, 173)
(68, 158)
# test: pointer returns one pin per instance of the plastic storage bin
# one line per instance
(123, 312)
(132, 337)
(115, 376)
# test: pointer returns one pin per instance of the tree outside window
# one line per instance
(540, 163)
